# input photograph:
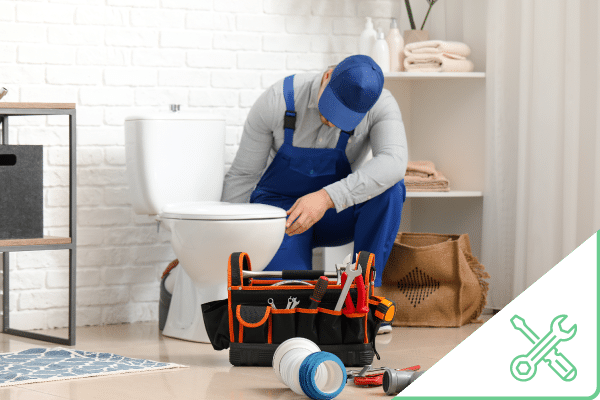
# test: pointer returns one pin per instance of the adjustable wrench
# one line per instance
(524, 367)
(351, 274)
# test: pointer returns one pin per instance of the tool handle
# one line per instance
(348, 306)
(361, 300)
(289, 275)
(319, 292)
(371, 380)
(302, 274)
(561, 365)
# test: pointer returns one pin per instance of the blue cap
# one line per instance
(355, 85)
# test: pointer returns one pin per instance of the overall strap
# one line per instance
(289, 119)
(343, 140)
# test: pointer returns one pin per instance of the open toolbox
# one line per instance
(255, 317)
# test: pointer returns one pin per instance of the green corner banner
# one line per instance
(544, 344)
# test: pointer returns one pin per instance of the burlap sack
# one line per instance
(434, 280)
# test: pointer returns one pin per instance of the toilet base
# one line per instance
(184, 320)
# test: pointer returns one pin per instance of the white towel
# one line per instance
(444, 62)
(437, 47)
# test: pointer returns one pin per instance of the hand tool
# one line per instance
(372, 377)
(319, 292)
(289, 304)
(524, 367)
(295, 303)
(555, 360)
(348, 305)
(339, 268)
(361, 301)
(272, 303)
(350, 275)
(385, 311)
(338, 272)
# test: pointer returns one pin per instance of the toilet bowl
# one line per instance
(175, 168)
(203, 236)
(206, 233)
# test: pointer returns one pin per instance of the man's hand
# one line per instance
(307, 211)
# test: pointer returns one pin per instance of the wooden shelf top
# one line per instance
(25, 106)
(46, 240)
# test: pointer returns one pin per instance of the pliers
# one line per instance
(370, 376)
(361, 300)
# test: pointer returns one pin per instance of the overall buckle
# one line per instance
(289, 120)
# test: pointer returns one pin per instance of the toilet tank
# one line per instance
(172, 158)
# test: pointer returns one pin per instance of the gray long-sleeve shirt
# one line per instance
(263, 135)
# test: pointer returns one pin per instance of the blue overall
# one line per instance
(297, 171)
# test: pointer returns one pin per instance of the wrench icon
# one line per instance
(524, 367)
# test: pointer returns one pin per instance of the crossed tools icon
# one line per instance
(524, 367)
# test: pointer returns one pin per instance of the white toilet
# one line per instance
(175, 166)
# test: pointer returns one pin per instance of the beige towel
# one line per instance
(444, 62)
(424, 169)
(436, 183)
(437, 47)
(421, 176)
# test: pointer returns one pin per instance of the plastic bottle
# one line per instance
(367, 39)
(396, 46)
(382, 52)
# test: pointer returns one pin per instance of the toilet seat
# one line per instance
(216, 210)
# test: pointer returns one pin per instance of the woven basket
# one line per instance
(434, 280)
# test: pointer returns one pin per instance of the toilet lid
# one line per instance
(216, 210)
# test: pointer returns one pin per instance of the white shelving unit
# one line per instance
(454, 193)
(444, 118)
(432, 75)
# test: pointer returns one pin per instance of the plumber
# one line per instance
(303, 149)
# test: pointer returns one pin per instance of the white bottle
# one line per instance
(396, 45)
(382, 52)
(367, 39)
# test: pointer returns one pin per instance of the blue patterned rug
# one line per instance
(42, 365)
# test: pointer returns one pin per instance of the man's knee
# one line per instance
(392, 197)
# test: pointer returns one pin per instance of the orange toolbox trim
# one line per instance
(328, 311)
(248, 324)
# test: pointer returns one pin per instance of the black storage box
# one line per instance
(21, 192)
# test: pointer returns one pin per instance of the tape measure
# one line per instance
(386, 310)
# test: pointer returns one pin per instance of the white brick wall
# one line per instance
(117, 57)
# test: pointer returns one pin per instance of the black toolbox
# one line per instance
(252, 330)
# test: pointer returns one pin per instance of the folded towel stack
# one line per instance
(421, 176)
(437, 56)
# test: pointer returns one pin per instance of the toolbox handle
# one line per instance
(302, 274)
(289, 274)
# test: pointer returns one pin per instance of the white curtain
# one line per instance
(542, 195)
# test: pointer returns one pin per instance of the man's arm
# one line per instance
(253, 153)
(385, 169)
(388, 165)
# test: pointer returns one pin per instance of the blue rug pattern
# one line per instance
(42, 365)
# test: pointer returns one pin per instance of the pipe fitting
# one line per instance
(300, 365)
